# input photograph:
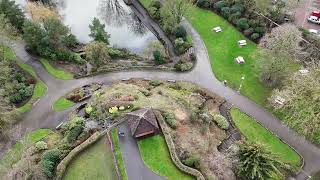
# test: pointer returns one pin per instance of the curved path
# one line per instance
(42, 116)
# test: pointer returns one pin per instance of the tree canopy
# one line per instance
(12, 12)
(98, 32)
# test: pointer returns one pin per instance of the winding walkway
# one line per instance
(42, 116)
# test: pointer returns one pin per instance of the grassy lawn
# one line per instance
(115, 140)
(60, 74)
(156, 156)
(40, 88)
(14, 154)
(223, 49)
(62, 104)
(96, 162)
(256, 133)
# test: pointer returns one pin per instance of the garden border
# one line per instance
(171, 147)
(302, 159)
(62, 166)
(114, 157)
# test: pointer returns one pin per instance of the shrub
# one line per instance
(219, 5)
(181, 32)
(254, 36)
(203, 3)
(74, 133)
(248, 32)
(192, 161)
(41, 145)
(156, 4)
(237, 8)
(155, 83)
(88, 110)
(49, 160)
(113, 110)
(183, 66)
(316, 136)
(116, 53)
(157, 57)
(194, 117)
(260, 30)
(205, 118)
(234, 17)
(146, 93)
(221, 121)
(226, 11)
(242, 24)
(170, 120)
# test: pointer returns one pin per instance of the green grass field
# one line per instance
(96, 163)
(40, 88)
(223, 49)
(62, 104)
(254, 132)
(15, 153)
(156, 156)
(121, 166)
(60, 74)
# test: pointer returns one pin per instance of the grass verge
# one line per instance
(254, 132)
(62, 104)
(15, 153)
(40, 88)
(156, 156)
(96, 162)
(60, 74)
(116, 143)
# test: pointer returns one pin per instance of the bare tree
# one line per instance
(302, 103)
(284, 40)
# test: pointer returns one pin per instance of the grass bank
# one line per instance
(57, 73)
(116, 143)
(156, 156)
(15, 153)
(62, 104)
(40, 87)
(254, 132)
(96, 162)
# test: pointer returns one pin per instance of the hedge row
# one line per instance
(172, 150)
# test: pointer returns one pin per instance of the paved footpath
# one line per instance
(42, 116)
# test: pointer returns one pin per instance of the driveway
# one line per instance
(135, 167)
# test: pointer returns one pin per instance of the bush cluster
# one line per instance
(183, 66)
(155, 83)
(170, 119)
(49, 161)
(252, 25)
(41, 145)
(192, 161)
(221, 121)
(51, 39)
(72, 129)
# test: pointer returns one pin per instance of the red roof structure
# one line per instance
(142, 122)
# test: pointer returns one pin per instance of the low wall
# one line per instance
(62, 166)
(172, 150)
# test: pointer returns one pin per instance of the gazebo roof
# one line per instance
(142, 117)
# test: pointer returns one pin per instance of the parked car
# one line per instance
(314, 17)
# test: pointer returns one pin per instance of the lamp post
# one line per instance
(242, 79)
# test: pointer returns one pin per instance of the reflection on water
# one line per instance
(125, 29)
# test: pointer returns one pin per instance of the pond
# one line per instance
(125, 30)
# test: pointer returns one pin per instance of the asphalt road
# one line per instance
(42, 116)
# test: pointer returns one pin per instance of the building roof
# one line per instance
(142, 122)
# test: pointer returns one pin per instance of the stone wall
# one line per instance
(172, 150)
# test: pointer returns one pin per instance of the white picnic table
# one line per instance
(217, 29)
(240, 60)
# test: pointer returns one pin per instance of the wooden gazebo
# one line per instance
(142, 123)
